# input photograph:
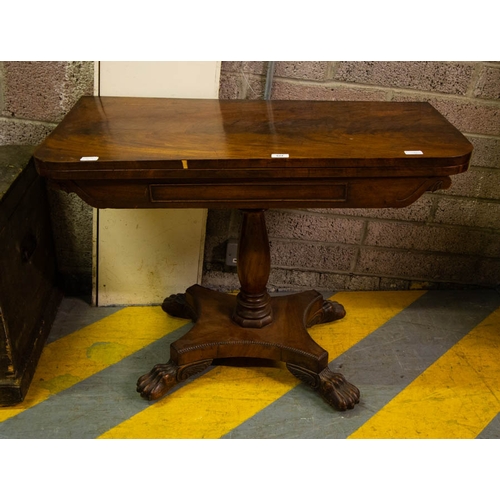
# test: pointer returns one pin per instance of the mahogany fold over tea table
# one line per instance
(120, 152)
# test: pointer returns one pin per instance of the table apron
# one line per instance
(274, 193)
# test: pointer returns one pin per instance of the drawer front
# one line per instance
(247, 193)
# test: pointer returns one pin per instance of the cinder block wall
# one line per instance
(34, 97)
(447, 239)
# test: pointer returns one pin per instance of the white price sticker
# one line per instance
(280, 155)
(417, 152)
(89, 158)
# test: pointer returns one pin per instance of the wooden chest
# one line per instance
(29, 296)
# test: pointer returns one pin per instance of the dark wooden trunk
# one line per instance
(29, 296)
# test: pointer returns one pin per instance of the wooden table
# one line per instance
(118, 152)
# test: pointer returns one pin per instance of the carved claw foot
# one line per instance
(333, 387)
(337, 391)
(176, 305)
(158, 381)
(330, 311)
(163, 377)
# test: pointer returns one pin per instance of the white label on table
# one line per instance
(414, 152)
(89, 158)
(280, 155)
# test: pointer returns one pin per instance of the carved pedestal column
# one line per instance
(253, 303)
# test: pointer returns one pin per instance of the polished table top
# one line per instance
(151, 152)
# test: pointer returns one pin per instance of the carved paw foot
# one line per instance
(337, 391)
(158, 381)
(177, 306)
(330, 311)
(333, 387)
(163, 377)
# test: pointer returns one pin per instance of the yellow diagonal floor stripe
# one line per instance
(456, 397)
(223, 398)
(85, 352)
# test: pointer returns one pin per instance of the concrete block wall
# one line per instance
(447, 239)
(34, 97)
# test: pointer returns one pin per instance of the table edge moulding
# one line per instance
(121, 152)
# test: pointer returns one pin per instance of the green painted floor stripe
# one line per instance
(492, 430)
(75, 314)
(81, 354)
(381, 365)
(94, 405)
(456, 397)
